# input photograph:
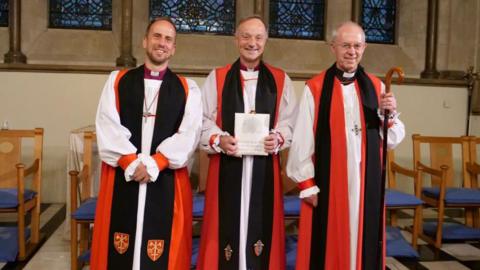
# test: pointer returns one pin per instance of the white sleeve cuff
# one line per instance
(130, 170)
(152, 167)
(309, 192)
(216, 142)
(279, 140)
(392, 116)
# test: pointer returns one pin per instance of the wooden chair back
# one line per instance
(11, 144)
(440, 150)
(84, 185)
(474, 160)
(392, 180)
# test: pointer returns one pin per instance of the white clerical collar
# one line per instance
(348, 74)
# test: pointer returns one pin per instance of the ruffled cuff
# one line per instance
(160, 160)
(125, 160)
(392, 117)
(130, 169)
(280, 140)
(215, 141)
(309, 192)
(308, 188)
(152, 168)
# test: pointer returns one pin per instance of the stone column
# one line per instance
(259, 8)
(126, 58)
(356, 11)
(431, 41)
(14, 54)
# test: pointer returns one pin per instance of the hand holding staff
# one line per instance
(386, 117)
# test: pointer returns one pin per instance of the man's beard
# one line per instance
(155, 61)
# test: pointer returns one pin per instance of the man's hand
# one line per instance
(141, 175)
(388, 102)
(312, 200)
(271, 143)
(228, 144)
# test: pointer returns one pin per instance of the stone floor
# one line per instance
(54, 252)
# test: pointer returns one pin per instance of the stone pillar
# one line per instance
(356, 11)
(430, 70)
(14, 54)
(126, 58)
(259, 8)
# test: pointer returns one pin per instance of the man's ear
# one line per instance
(331, 45)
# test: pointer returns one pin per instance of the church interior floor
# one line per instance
(54, 253)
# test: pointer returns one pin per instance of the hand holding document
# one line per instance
(250, 131)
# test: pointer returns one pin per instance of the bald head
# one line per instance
(349, 27)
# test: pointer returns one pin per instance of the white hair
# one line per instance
(347, 23)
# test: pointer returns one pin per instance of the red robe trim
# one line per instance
(208, 254)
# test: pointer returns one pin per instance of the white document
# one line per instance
(250, 132)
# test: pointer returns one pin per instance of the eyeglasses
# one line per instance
(355, 46)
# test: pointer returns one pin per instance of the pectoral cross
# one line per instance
(146, 115)
(356, 129)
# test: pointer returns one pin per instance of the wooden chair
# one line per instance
(444, 191)
(13, 176)
(472, 215)
(396, 200)
(82, 205)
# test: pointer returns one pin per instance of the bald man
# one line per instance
(335, 157)
(243, 224)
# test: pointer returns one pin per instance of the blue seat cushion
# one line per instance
(291, 251)
(394, 198)
(86, 211)
(9, 243)
(195, 251)
(455, 195)
(198, 204)
(452, 231)
(84, 257)
(291, 205)
(397, 246)
(9, 197)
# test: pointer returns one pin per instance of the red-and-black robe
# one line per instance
(324, 231)
(220, 229)
(167, 232)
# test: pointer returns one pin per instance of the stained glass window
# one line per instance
(203, 16)
(378, 20)
(3, 13)
(81, 14)
(302, 19)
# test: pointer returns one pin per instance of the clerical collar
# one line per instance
(153, 75)
(244, 68)
(345, 77)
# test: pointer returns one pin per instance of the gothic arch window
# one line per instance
(80, 14)
(378, 20)
(300, 19)
(3, 13)
(197, 16)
